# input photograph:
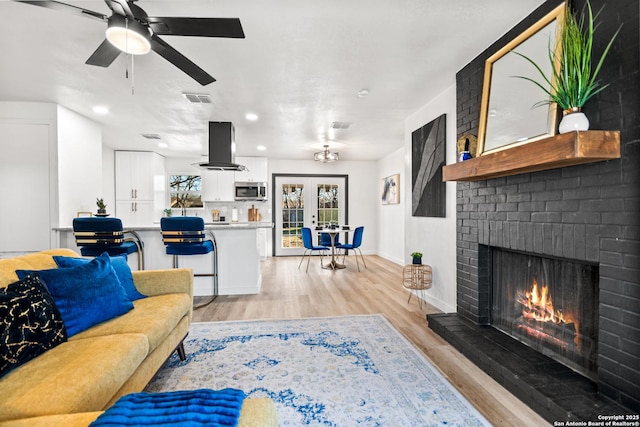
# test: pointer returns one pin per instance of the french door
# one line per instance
(305, 201)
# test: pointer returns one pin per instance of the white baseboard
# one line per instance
(440, 305)
(398, 261)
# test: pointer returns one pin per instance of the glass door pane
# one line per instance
(292, 215)
(328, 205)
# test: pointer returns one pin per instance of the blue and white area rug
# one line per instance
(331, 371)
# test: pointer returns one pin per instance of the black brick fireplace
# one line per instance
(588, 214)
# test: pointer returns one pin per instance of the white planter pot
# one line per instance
(573, 121)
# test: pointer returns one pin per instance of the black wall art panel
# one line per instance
(428, 156)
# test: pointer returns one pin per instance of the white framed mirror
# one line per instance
(508, 112)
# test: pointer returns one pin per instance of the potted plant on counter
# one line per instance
(102, 207)
(574, 79)
(417, 257)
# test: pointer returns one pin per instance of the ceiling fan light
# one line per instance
(325, 156)
(128, 35)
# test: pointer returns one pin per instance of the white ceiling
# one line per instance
(300, 69)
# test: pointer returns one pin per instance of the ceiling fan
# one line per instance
(131, 30)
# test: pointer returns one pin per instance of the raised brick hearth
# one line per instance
(587, 213)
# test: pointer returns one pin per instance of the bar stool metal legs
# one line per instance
(139, 244)
(214, 274)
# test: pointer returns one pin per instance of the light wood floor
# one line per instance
(289, 293)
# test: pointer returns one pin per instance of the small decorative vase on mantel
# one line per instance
(573, 119)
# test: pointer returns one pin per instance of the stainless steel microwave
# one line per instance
(250, 191)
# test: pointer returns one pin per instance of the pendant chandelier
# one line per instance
(325, 156)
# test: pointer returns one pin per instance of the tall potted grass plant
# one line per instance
(574, 80)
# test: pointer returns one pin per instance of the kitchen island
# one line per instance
(239, 252)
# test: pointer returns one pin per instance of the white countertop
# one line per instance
(207, 225)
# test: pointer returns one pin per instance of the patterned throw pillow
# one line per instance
(30, 323)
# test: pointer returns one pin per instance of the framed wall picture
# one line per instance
(391, 190)
(428, 157)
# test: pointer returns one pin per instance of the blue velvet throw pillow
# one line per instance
(85, 295)
(30, 323)
(119, 265)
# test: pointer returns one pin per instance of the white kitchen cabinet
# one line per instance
(135, 174)
(217, 186)
(257, 169)
(137, 213)
(140, 187)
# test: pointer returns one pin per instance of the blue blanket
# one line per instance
(176, 408)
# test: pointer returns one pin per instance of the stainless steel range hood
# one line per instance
(222, 153)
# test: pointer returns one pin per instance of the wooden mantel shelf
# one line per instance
(569, 149)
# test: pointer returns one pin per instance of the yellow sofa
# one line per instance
(69, 385)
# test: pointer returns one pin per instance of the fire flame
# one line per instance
(538, 305)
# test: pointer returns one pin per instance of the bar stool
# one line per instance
(95, 235)
(185, 235)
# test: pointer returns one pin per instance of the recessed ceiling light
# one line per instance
(261, 148)
(251, 117)
(362, 93)
(101, 109)
(163, 145)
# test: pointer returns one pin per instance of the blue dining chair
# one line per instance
(307, 242)
(185, 235)
(355, 246)
(325, 240)
(96, 235)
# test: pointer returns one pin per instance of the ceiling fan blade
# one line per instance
(56, 5)
(104, 55)
(179, 60)
(121, 7)
(200, 27)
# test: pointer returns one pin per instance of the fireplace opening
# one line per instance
(550, 304)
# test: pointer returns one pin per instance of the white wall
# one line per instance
(391, 224)
(434, 237)
(80, 165)
(364, 189)
(109, 178)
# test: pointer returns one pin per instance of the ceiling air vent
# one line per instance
(150, 135)
(198, 98)
(340, 125)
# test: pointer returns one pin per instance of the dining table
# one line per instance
(333, 233)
